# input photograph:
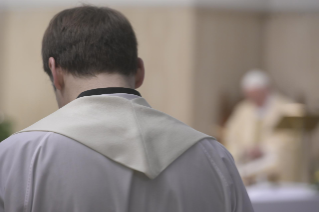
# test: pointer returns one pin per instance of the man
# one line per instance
(260, 151)
(106, 149)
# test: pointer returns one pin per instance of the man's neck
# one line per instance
(76, 85)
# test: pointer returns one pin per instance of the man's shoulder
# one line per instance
(219, 159)
(214, 148)
(26, 140)
(23, 136)
(213, 151)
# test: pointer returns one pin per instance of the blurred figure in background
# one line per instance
(261, 152)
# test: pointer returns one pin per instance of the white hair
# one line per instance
(255, 79)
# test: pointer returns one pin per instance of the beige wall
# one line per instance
(1, 57)
(166, 42)
(291, 55)
(27, 95)
(227, 45)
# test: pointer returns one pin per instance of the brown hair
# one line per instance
(88, 40)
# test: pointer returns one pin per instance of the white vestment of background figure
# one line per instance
(249, 127)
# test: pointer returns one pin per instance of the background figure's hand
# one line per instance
(255, 153)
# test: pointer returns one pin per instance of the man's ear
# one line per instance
(140, 74)
(57, 74)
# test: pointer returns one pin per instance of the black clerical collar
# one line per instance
(110, 90)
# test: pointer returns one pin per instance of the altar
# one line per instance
(284, 197)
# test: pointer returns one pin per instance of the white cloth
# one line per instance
(47, 171)
(284, 197)
(129, 132)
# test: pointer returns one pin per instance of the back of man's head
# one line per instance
(89, 40)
